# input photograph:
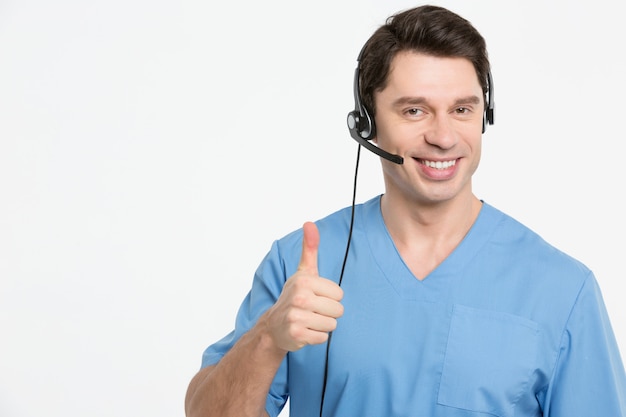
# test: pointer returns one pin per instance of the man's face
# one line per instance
(431, 113)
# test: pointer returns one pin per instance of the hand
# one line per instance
(309, 305)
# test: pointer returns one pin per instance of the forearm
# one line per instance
(238, 385)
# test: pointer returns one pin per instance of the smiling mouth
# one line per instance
(438, 164)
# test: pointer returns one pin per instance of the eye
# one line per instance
(414, 111)
(463, 110)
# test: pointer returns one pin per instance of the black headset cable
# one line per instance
(343, 267)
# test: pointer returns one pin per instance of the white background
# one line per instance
(150, 151)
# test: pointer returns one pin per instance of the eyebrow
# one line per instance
(402, 101)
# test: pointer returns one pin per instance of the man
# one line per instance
(443, 305)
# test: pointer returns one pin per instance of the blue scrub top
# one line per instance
(506, 326)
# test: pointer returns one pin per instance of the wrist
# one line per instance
(265, 339)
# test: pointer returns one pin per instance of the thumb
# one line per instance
(310, 243)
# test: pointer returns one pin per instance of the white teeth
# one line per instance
(439, 164)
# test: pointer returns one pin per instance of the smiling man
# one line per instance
(426, 300)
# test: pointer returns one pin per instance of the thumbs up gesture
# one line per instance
(309, 305)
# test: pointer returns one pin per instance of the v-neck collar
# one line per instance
(388, 258)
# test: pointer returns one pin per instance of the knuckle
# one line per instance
(300, 300)
(297, 334)
(292, 317)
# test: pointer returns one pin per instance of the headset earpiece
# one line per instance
(360, 123)
(490, 106)
(362, 126)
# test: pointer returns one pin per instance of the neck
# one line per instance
(442, 223)
(426, 234)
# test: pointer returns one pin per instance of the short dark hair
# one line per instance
(430, 30)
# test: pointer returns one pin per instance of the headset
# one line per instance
(363, 128)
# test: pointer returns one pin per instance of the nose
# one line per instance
(440, 133)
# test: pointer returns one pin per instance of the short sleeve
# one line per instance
(589, 378)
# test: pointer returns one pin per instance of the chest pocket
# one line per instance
(489, 361)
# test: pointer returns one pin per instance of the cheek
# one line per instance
(394, 134)
(477, 151)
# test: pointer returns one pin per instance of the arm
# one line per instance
(306, 310)
(239, 383)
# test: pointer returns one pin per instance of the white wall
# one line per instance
(150, 151)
